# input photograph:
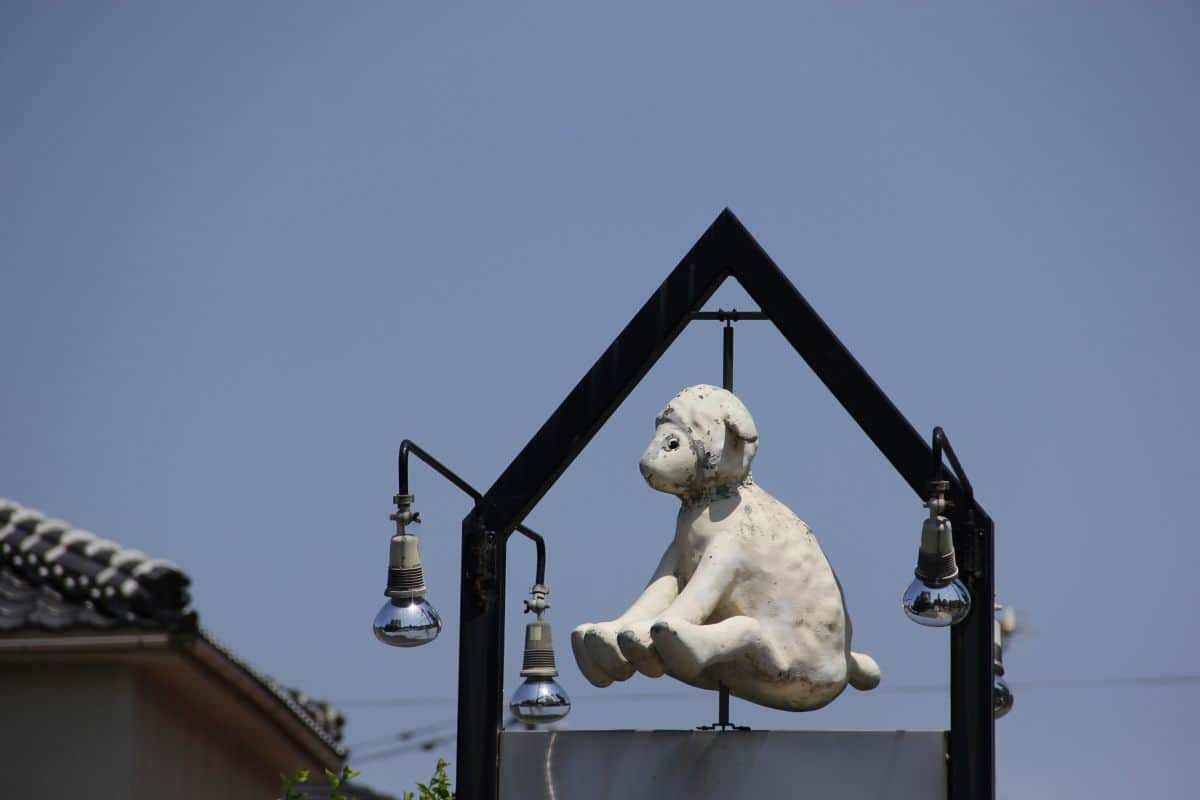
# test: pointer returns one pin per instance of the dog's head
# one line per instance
(704, 438)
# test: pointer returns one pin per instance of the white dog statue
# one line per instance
(743, 595)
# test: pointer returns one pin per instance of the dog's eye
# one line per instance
(673, 443)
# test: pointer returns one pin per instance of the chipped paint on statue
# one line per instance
(743, 595)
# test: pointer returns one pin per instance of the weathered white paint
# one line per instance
(697, 765)
(743, 595)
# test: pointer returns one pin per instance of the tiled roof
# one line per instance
(53, 576)
(61, 579)
(322, 718)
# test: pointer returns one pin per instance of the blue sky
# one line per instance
(246, 250)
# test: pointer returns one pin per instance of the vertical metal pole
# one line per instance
(480, 662)
(727, 361)
(723, 707)
(972, 726)
(727, 382)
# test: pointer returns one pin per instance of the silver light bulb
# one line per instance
(407, 622)
(1002, 698)
(937, 606)
(540, 699)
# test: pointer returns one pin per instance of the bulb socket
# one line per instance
(539, 651)
(406, 578)
(936, 565)
(406, 582)
(936, 569)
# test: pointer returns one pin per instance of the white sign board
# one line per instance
(699, 765)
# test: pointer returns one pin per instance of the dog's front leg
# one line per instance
(674, 632)
(694, 604)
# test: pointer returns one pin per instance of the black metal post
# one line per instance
(972, 724)
(972, 660)
(480, 661)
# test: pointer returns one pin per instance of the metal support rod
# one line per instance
(733, 315)
(727, 383)
(408, 446)
(540, 543)
(727, 361)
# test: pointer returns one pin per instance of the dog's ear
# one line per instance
(738, 422)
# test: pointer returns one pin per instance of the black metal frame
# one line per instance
(726, 249)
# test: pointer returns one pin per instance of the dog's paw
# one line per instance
(638, 649)
(679, 656)
(598, 655)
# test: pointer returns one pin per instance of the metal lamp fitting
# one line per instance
(1002, 696)
(407, 619)
(540, 699)
(936, 597)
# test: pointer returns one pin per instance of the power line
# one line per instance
(405, 702)
(437, 741)
(917, 688)
(1109, 683)
(404, 735)
(392, 752)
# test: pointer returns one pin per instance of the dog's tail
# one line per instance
(862, 671)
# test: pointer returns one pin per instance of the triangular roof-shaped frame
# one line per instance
(725, 250)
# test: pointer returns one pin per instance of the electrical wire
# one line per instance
(431, 743)
(404, 735)
(917, 688)
(392, 752)
(406, 702)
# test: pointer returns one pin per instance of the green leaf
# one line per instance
(288, 782)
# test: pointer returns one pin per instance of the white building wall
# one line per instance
(66, 730)
(113, 731)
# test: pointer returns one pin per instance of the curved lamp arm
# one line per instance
(407, 446)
